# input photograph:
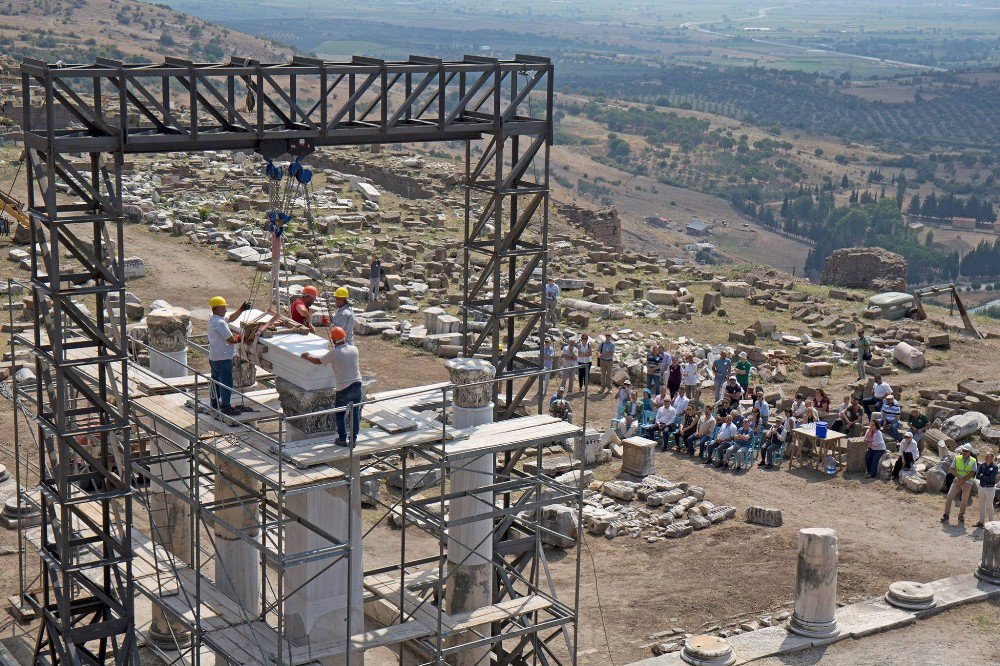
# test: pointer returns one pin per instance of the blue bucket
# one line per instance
(821, 429)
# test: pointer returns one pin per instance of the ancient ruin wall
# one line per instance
(604, 225)
(865, 268)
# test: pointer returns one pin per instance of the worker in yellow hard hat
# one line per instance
(344, 360)
(221, 349)
(344, 316)
(301, 314)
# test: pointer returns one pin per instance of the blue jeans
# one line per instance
(872, 459)
(343, 398)
(222, 372)
(653, 383)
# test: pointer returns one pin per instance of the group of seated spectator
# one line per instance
(739, 421)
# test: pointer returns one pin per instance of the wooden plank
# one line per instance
(252, 453)
(484, 442)
(503, 610)
(387, 587)
(329, 453)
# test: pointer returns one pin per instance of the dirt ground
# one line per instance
(629, 588)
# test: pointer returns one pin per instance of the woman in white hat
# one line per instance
(742, 370)
(908, 454)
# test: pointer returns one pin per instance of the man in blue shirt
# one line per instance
(890, 416)
(552, 301)
(720, 369)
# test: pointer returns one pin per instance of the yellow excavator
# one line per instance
(11, 207)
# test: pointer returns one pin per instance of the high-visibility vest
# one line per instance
(962, 466)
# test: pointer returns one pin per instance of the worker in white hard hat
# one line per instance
(344, 316)
(221, 349)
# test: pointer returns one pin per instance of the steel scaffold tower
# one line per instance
(83, 423)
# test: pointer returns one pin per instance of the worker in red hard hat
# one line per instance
(301, 314)
(344, 360)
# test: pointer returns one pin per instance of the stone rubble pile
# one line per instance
(654, 508)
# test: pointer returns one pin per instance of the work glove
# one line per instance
(246, 306)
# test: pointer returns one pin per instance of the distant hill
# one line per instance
(80, 30)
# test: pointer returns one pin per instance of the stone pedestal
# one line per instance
(989, 567)
(318, 609)
(470, 545)
(637, 456)
(815, 613)
(169, 329)
(708, 651)
(170, 527)
(911, 596)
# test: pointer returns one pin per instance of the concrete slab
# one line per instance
(871, 617)
(959, 590)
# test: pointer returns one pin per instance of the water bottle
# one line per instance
(831, 465)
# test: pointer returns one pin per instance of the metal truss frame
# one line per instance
(84, 455)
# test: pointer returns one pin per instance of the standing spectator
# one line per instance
(689, 375)
(653, 359)
(876, 449)
(606, 357)
(849, 415)
(702, 434)
(880, 389)
(890, 416)
(720, 372)
(864, 347)
(742, 370)
(374, 277)
(666, 358)
(964, 469)
(821, 401)
(674, 376)
(763, 410)
(918, 423)
(584, 356)
(568, 366)
(665, 417)
(908, 454)
(552, 301)
(548, 363)
(987, 477)
(624, 394)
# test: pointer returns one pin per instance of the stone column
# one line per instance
(470, 546)
(317, 611)
(170, 518)
(989, 567)
(815, 613)
(169, 329)
(237, 563)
